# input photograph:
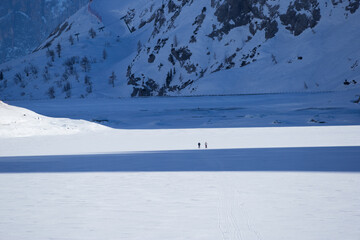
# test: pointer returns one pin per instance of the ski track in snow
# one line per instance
(234, 221)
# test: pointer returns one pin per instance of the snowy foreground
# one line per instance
(95, 182)
(301, 193)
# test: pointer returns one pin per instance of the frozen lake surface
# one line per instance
(268, 110)
(270, 171)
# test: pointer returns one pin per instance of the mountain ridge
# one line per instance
(187, 47)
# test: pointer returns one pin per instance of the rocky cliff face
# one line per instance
(25, 24)
(256, 21)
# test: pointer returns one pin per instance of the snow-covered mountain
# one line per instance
(25, 24)
(188, 47)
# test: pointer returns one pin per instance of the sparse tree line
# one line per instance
(71, 72)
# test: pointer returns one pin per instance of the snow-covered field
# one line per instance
(305, 193)
(269, 172)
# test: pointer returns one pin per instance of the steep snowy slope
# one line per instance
(25, 24)
(20, 122)
(187, 47)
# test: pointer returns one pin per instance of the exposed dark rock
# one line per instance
(132, 80)
(297, 22)
(357, 100)
(353, 6)
(158, 22)
(151, 84)
(172, 7)
(248, 39)
(55, 34)
(221, 66)
(244, 63)
(192, 39)
(160, 44)
(202, 72)
(190, 68)
(151, 58)
(200, 18)
(336, 2)
(169, 78)
(182, 54)
(271, 28)
(233, 13)
(146, 90)
(229, 61)
(171, 59)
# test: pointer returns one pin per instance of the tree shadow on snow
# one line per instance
(337, 159)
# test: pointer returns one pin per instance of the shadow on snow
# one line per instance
(339, 159)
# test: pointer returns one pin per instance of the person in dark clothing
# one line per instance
(199, 144)
(205, 144)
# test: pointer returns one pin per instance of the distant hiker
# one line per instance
(205, 144)
(199, 144)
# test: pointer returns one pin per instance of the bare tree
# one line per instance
(67, 90)
(67, 87)
(77, 36)
(92, 33)
(139, 46)
(104, 54)
(112, 79)
(273, 59)
(46, 74)
(58, 49)
(89, 89)
(27, 71)
(4, 85)
(88, 82)
(51, 54)
(18, 78)
(85, 64)
(34, 70)
(305, 86)
(71, 40)
(176, 42)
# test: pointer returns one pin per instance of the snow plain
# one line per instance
(273, 174)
